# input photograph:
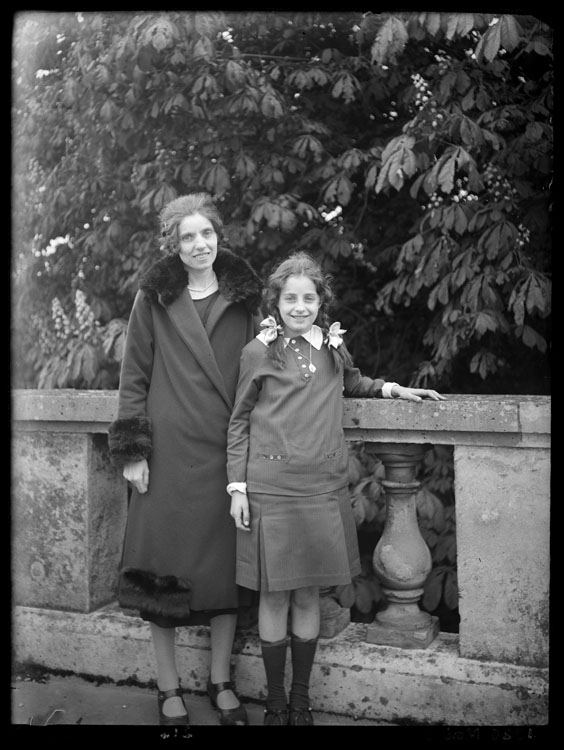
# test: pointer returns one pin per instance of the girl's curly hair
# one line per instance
(301, 264)
(186, 205)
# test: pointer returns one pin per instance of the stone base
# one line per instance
(416, 638)
(427, 686)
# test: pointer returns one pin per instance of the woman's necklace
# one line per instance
(199, 291)
(312, 367)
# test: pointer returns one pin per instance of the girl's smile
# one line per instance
(298, 305)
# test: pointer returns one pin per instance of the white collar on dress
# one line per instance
(314, 337)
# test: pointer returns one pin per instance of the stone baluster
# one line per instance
(402, 560)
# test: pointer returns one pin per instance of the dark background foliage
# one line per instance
(410, 152)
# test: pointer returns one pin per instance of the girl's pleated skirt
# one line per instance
(298, 541)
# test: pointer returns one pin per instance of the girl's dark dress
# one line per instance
(286, 441)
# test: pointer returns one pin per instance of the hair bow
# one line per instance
(270, 329)
(335, 332)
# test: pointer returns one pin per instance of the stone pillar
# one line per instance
(69, 504)
(402, 560)
(502, 536)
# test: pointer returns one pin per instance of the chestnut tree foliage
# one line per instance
(411, 152)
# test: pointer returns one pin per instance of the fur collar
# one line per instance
(238, 282)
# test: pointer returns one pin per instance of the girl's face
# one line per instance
(198, 242)
(298, 304)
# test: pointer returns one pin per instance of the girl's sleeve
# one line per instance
(357, 385)
(130, 435)
(238, 434)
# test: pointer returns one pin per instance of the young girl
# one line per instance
(288, 475)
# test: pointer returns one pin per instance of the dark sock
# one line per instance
(274, 658)
(303, 654)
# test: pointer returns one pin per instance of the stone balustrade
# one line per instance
(69, 510)
(502, 497)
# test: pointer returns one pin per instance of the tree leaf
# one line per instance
(433, 589)
(390, 41)
(346, 87)
(510, 32)
(446, 175)
(489, 44)
(433, 23)
(346, 595)
(485, 321)
(307, 144)
(459, 24)
(450, 591)
(216, 179)
(351, 159)
(460, 220)
(363, 596)
(145, 57)
(235, 76)
(371, 176)
(537, 295)
(203, 49)
(447, 82)
(468, 101)
(270, 105)
(339, 190)
(245, 166)
(533, 339)
(161, 34)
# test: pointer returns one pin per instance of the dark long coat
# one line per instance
(176, 392)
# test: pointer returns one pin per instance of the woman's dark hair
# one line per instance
(186, 205)
(301, 264)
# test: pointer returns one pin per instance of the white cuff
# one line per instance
(387, 390)
(239, 486)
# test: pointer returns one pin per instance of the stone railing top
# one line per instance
(459, 413)
(64, 405)
(518, 415)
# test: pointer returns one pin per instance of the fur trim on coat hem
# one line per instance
(162, 596)
(129, 440)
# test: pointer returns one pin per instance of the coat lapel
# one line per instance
(186, 320)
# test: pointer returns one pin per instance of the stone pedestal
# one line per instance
(68, 518)
(503, 543)
(402, 560)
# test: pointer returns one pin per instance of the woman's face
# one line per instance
(197, 242)
(298, 305)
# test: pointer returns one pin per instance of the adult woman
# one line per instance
(195, 310)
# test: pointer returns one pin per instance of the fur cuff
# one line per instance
(164, 596)
(129, 440)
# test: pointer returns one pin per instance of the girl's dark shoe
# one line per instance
(171, 721)
(227, 716)
(300, 717)
(275, 717)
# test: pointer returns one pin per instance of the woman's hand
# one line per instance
(240, 510)
(416, 394)
(137, 472)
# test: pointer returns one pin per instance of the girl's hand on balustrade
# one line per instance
(137, 472)
(416, 394)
